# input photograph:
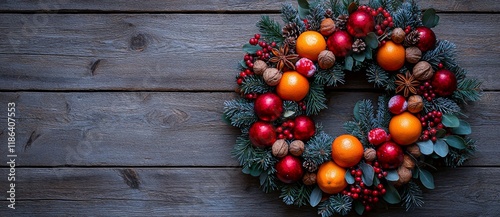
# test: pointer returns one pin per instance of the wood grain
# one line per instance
(169, 128)
(150, 52)
(217, 192)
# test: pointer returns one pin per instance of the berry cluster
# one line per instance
(285, 131)
(243, 74)
(265, 52)
(431, 122)
(368, 195)
(383, 18)
(426, 91)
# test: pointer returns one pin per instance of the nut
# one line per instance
(405, 175)
(423, 71)
(370, 154)
(413, 55)
(398, 35)
(415, 104)
(408, 162)
(414, 150)
(309, 179)
(326, 59)
(280, 148)
(259, 67)
(327, 27)
(272, 76)
(296, 148)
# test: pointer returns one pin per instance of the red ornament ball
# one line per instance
(289, 169)
(397, 104)
(262, 134)
(377, 136)
(444, 82)
(360, 23)
(305, 67)
(304, 128)
(339, 43)
(390, 155)
(427, 38)
(268, 107)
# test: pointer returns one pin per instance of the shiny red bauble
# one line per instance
(444, 82)
(360, 23)
(262, 134)
(390, 155)
(289, 169)
(304, 128)
(339, 43)
(427, 38)
(268, 107)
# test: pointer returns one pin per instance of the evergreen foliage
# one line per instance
(319, 148)
(457, 157)
(444, 105)
(240, 112)
(378, 76)
(411, 196)
(296, 194)
(255, 84)
(444, 52)
(336, 204)
(330, 77)
(468, 90)
(270, 29)
(315, 99)
(317, 14)
(408, 14)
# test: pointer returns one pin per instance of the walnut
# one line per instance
(413, 55)
(327, 27)
(272, 76)
(423, 71)
(259, 67)
(370, 154)
(309, 179)
(398, 35)
(280, 148)
(414, 150)
(326, 59)
(408, 162)
(296, 148)
(415, 104)
(405, 175)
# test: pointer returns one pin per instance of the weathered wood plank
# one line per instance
(214, 192)
(211, 6)
(151, 52)
(169, 128)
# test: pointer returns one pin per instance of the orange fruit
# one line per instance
(309, 44)
(391, 56)
(405, 128)
(292, 86)
(331, 178)
(347, 150)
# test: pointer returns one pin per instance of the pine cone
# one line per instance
(291, 30)
(310, 166)
(358, 46)
(341, 22)
(291, 41)
(328, 13)
(411, 39)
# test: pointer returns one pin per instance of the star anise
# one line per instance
(282, 57)
(406, 84)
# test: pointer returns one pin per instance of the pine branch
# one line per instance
(254, 160)
(317, 14)
(383, 114)
(339, 7)
(268, 180)
(255, 84)
(412, 196)
(407, 15)
(456, 157)
(297, 194)
(378, 76)
(315, 99)
(240, 112)
(341, 204)
(330, 77)
(243, 150)
(288, 13)
(364, 120)
(468, 90)
(391, 86)
(444, 52)
(319, 148)
(270, 29)
(444, 105)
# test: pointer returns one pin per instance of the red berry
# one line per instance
(256, 36)
(359, 173)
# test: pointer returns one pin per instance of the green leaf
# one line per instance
(392, 175)
(263, 178)
(426, 178)
(287, 114)
(348, 177)
(246, 170)
(392, 195)
(368, 173)
(359, 207)
(441, 148)
(243, 64)
(349, 63)
(429, 18)
(415, 174)
(303, 8)
(371, 40)
(440, 133)
(462, 129)
(426, 147)
(455, 141)
(368, 53)
(450, 120)
(251, 49)
(315, 196)
(360, 57)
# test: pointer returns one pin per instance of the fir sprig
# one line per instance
(444, 52)
(412, 196)
(316, 99)
(330, 77)
(317, 14)
(408, 14)
(318, 148)
(383, 114)
(363, 121)
(341, 204)
(457, 157)
(444, 105)
(289, 13)
(240, 112)
(297, 194)
(268, 180)
(255, 84)
(270, 29)
(378, 76)
(468, 90)
(339, 7)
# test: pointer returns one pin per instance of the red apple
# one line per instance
(444, 82)
(304, 128)
(268, 107)
(427, 39)
(390, 155)
(262, 134)
(289, 169)
(340, 43)
(360, 23)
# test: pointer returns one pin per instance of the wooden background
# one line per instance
(119, 108)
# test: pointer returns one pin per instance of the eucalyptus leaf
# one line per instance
(392, 195)
(251, 49)
(368, 53)
(415, 174)
(392, 175)
(263, 178)
(429, 18)
(349, 178)
(441, 148)
(426, 178)
(349, 63)
(455, 141)
(245, 170)
(426, 147)
(303, 8)
(359, 207)
(440, 133)
(450, 120)
(462, 129)
(243, 64)
(368, 173)
(315, 196)
(371, 40)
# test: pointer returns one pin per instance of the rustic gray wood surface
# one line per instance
(119, 109)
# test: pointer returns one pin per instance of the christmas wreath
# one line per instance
(389, 150)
